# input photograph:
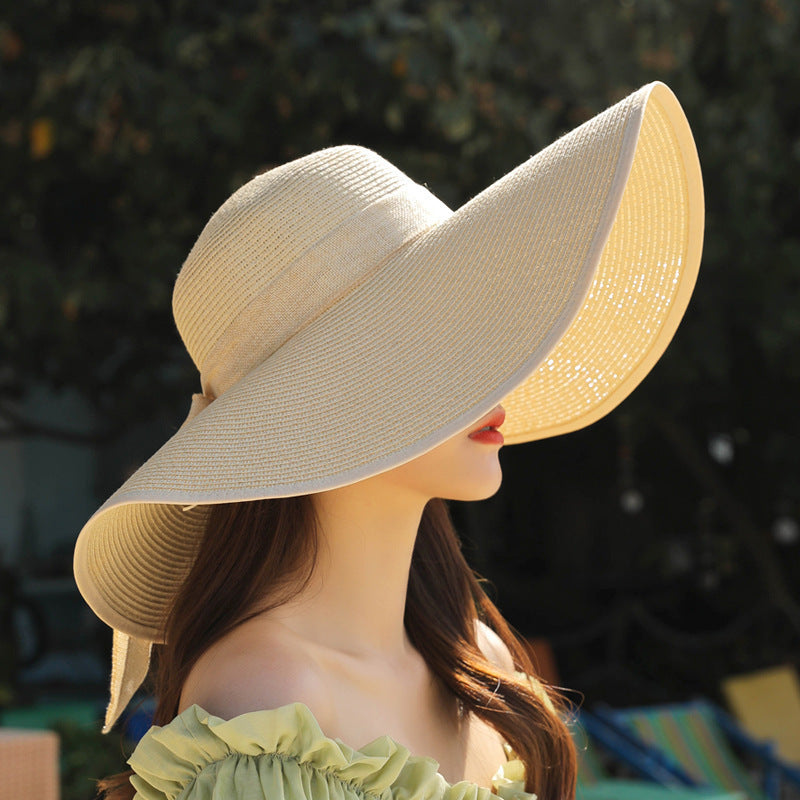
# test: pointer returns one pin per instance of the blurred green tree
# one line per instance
(124, 124)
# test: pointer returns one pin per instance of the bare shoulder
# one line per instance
(253, 669)
(493, 647)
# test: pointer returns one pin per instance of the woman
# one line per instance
(289, 547)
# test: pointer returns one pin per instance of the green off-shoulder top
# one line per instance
(282, 754)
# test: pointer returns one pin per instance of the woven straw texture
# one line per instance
(346, 321)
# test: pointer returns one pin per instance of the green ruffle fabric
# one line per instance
(282, 754)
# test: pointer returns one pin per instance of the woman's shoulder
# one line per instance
(254, 669)
(493, 647)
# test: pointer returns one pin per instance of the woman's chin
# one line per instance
(476, 487)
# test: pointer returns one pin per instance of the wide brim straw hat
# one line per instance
(345, 321)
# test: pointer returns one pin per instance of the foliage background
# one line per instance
(123, 126)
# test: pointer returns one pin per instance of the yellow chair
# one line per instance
(767, 705)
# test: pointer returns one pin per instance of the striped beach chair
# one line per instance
(698, 739)
(663, 783)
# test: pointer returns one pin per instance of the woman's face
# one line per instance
(464, 467)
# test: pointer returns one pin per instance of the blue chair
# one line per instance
(663, 781)
(700, 742)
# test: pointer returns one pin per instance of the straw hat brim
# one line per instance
(555, 291)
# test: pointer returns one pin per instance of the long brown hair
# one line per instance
(256, 555)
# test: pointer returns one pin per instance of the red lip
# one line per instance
(486, 430)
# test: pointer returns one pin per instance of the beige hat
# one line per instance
(344, 321)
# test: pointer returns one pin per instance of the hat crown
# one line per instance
(284, 247)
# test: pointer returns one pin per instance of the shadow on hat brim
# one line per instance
(555, 291)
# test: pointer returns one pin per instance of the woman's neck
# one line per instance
(355, 600)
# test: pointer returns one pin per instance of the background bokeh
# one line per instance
(659, 550)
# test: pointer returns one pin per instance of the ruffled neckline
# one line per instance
(168, 759)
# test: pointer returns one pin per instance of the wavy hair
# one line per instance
(256, 555)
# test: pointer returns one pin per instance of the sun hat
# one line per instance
(344, 321)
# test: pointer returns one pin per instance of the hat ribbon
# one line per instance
(130, 656)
